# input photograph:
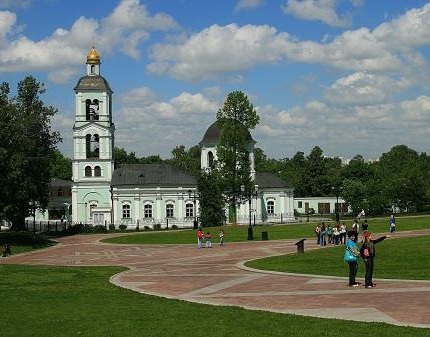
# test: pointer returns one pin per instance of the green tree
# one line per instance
(27, 148)
(211, 199)
(61, 166)
(188, 160)
(123, 157)
(235, 119)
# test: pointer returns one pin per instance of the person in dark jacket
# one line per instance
(367, 252)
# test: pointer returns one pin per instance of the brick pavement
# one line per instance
(218, 276)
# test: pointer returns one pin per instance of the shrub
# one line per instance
(123, 227)
(174, 227)
(157, 226)
(99, 229)
(111, 227)
(147, 228)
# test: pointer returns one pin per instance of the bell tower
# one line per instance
(93, 146)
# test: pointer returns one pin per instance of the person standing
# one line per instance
(221, 238)
(351, 257)
(367, 252)
(199, 238)
(392, 224)
(208, 238)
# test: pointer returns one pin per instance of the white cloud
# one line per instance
(7, 21)
(127, 26)
(321, 10)
(218, 50)
(248, 4)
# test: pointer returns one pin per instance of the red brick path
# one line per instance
(217, 276)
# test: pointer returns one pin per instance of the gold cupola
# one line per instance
(93, 57)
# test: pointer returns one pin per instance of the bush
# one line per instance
(123, 227)
(99, 229)
(174, 227)
(157, 226)
(112, 227)
(147, 228)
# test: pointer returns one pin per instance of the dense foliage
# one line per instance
(235, 119)
(27, 149)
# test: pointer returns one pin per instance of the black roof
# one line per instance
(152, 175)
(60, 183)
(93, 82)
(266, 180)
(213, 133)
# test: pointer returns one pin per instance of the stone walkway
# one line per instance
(217, 276)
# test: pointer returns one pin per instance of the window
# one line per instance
(300, 204)
(189, 210)
(92, 110)
(147, 211)
(169, 211)
(97, 171)
(88, 171)
(271, 207)
(324, 208)
(92, 143)
(60, 192)
(211, 159)
(126, 211)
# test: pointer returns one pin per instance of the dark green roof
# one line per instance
(266, 180)
(152, 175)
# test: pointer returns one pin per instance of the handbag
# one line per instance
(349, 256)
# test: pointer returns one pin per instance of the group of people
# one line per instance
(333, 235)
(366, 251)
(205, 239)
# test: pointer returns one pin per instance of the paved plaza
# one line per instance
(218, 276)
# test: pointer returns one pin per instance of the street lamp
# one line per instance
(193, 195)
(336, 207)
(249, 197)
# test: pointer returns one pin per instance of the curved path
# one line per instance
(217, 276)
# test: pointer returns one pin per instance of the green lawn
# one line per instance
(403, 258)
(275, 232)
(79, 301)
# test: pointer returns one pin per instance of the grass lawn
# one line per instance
(275, 232)
(22, 242)
(79, 301)
(403, 258)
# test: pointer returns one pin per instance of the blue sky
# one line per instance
(349, 76)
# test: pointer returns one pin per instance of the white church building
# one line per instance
(147, 194)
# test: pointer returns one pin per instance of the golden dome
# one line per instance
(93, 57)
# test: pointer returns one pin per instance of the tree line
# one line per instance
(29, 159)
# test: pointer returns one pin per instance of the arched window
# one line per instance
(126, 211)
(88, 171)
(189, 210)
(97, 171)
(169, 211)
(210, 159)
(271, 207)
(147, 210)
(92, 110)
(92, 143)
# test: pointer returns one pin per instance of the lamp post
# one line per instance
(249, 197)
(193, 195)
(336, 207)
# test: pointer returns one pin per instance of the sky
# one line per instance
(349, 76)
